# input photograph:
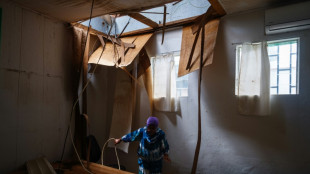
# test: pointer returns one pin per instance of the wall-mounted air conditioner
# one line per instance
(288, 18)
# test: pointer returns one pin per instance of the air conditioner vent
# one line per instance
(288, 18)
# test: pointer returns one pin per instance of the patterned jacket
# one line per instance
(151, 148)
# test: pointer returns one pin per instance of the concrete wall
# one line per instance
(35, 86)
(231, 143)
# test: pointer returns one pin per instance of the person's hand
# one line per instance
(166, 157)
(117, 141)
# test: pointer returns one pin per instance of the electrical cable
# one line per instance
(91, 11)
(105, 144)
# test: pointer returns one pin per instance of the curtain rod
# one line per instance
(252, 43)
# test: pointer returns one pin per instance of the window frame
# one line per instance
(287, 69)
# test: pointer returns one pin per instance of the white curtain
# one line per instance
(254, 79)
(164, 84)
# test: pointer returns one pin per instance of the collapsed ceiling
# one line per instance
(76, 10)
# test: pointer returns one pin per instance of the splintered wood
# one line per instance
(188, 38)
(113, 52)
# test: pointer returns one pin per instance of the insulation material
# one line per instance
(76, 10)
(122, 109)
(211, 29)
(110, 55)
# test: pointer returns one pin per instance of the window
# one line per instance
(283, 58)
(283, 66)
(167, 87)
(181, 82)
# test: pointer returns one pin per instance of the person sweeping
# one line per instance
(153, 146)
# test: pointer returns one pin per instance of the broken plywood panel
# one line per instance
(211, 29)
(111, 55)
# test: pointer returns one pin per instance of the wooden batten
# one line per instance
(218, 7)
(91, 31)
(172, 24)
(139, 17)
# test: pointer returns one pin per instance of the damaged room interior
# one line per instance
(157, 86)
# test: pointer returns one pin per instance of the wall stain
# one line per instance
(54, 76)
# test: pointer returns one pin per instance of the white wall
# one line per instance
(35, 86)
(232, 143)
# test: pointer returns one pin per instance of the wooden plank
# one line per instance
(218, 7)
(197, 150)
(211, 29)
(95, 168)
(109, 55)
(91, 31)
(173, 24)
(85, 68)
(164, 24)
(201, 25)
(143, 19)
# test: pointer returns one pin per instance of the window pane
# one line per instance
(182, 92)
(293, 77)
(273, 77)
(284, 78)
(272, 50)
(273, 91)
(293, 90)
(182, 84)
(284, 56)
(273, 62)
(294, 47)
(294, 60)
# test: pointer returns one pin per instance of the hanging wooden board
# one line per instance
(110, 56)
(188, 37)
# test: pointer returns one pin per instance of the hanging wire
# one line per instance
(90, 17)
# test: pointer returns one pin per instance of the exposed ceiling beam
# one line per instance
(143, 19)
(217, 7)
(91, 30)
